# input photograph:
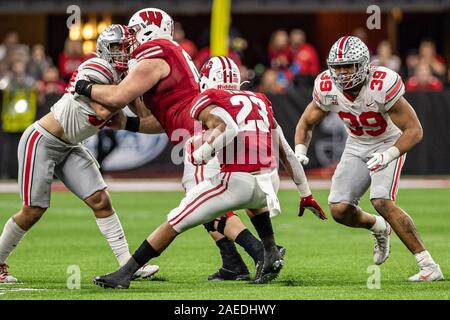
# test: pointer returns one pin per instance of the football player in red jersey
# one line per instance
(382, 126)
(241, 124)
(167, 79)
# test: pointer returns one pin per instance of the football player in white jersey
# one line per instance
(53, 145)
(382, 126)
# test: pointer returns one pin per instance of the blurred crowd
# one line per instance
(294, 62)
(31, 82)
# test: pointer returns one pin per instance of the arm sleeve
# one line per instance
(230, 132)
(298, 174)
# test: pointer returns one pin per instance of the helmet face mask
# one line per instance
(149, 24)
(220, 73)
(346, 53)
(113, 45)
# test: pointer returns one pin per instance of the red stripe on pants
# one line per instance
(201, 202)
(28, 170)
(397, 175)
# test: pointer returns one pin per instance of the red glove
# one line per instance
(310, 203)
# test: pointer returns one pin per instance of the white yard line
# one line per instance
(4, 291)
(148, 185)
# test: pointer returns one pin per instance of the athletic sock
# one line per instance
(9, 239)
(251, 245)
(424, 259)
(231, 259)
(379, 225)
(263, 226)
(144, 253)
(112, 230)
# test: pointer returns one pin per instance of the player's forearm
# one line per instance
(150, 125)
(303, 133)
(102, 111)
(409, 138)
(221, 136)
(110, 96)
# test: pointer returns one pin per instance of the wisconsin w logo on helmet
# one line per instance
(150, 23)
(151, 17)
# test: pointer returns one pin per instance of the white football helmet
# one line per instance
(220, 73)
(113, 45)
(349, 50)
(151, 23)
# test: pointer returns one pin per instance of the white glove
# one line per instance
(203, 154)
(379, 161)
(300, 153)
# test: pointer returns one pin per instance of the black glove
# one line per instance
(84, 88)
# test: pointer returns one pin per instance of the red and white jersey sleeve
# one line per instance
(148, 50)
(96, 70)
(322, 86)
(200, 102)
(386, 86)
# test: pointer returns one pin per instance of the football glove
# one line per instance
(379, 161)
(311, 204)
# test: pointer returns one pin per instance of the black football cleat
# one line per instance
(281, 250)
(229, 275)
(115, 280)
(270, 268)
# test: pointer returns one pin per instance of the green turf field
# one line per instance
(324, 260)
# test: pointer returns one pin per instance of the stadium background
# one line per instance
(258, 31)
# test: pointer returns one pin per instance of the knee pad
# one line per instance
(222, 223)
(209, 226)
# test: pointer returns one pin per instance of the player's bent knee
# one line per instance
(382, 206)
(340, 211)
(221, 224)
(28, 216)
(100, 201)
(33, 211)
(209, 226)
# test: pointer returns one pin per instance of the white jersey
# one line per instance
(72, 111)
(366, 118)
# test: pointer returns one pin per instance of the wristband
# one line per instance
(84, 88)
(392, 153)
(301, 149)
(132, 124)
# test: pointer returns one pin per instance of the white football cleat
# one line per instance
(5, 277)
(381, 246)
(145, 272)
(428, 273)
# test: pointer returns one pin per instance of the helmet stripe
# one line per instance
(224, 69)
(230, 73)
(341, 46)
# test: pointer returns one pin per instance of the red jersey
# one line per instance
(170, 98)
(251, 150)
